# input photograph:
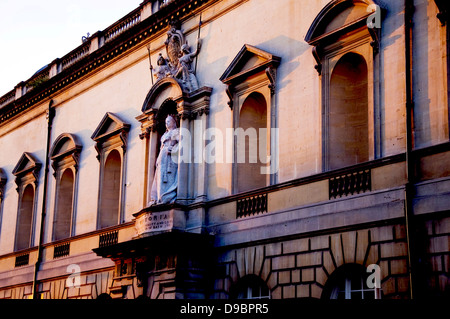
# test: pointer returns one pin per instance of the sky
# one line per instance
(33, 33)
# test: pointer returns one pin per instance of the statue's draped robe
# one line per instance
(165, 181)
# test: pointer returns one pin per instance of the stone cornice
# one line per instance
(92, 62)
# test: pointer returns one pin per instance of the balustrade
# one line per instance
(108, 239)
(61, 250)
(251, 205)
(350, 183)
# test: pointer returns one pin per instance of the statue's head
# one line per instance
(161, 60)
(171, 123)
(185, 48)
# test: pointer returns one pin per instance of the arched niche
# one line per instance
(62, 221)
(64, 155)
(348, 131)
(27, 176)
(111, 138)
(167, 97)
(345, 44)
(251, 87)
(252, 146)
(109, 210)
(25, 218)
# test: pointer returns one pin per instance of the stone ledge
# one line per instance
(345, 212)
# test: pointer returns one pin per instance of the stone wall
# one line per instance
(300, 268)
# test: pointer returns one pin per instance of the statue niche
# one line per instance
(179, 61)
(165, 180)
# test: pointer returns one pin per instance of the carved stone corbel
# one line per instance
(229, 92)
(272, 75)
(316, 55)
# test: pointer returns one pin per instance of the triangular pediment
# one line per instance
(26, 163)
(110, 124)
(248, 61)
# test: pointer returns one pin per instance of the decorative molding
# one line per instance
(189, 105)
(110, 126)
(319, 38)
(65, 150)
(250, 61)
(271, 73)
(229, 91)
(178, 64)
(27, 170)
(316, 55)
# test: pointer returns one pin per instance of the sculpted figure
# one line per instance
(165, 181)
(162, 70)
(185, 71)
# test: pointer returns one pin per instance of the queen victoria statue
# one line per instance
(165, 181)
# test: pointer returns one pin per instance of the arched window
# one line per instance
(250, 287)
(110, 193)
(251, 150)
(64, 155)
(348, 118)
(350, 282)
(62, 224)
(111, 144)
(27, 176)
(346, 48)
(251, 87)
(25, 219)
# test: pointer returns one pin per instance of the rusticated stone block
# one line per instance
(288, 291)
(283, 262)
(309, 259)
(303, 291)
(297, 245)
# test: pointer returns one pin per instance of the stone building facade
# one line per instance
(314, 161)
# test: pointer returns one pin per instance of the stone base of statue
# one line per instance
(156, 219)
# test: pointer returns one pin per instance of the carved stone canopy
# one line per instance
(27, 169)
(332, 22)
(179, 61)
(249, 61)
(110, 126)
(168, 92)
(66, 146)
